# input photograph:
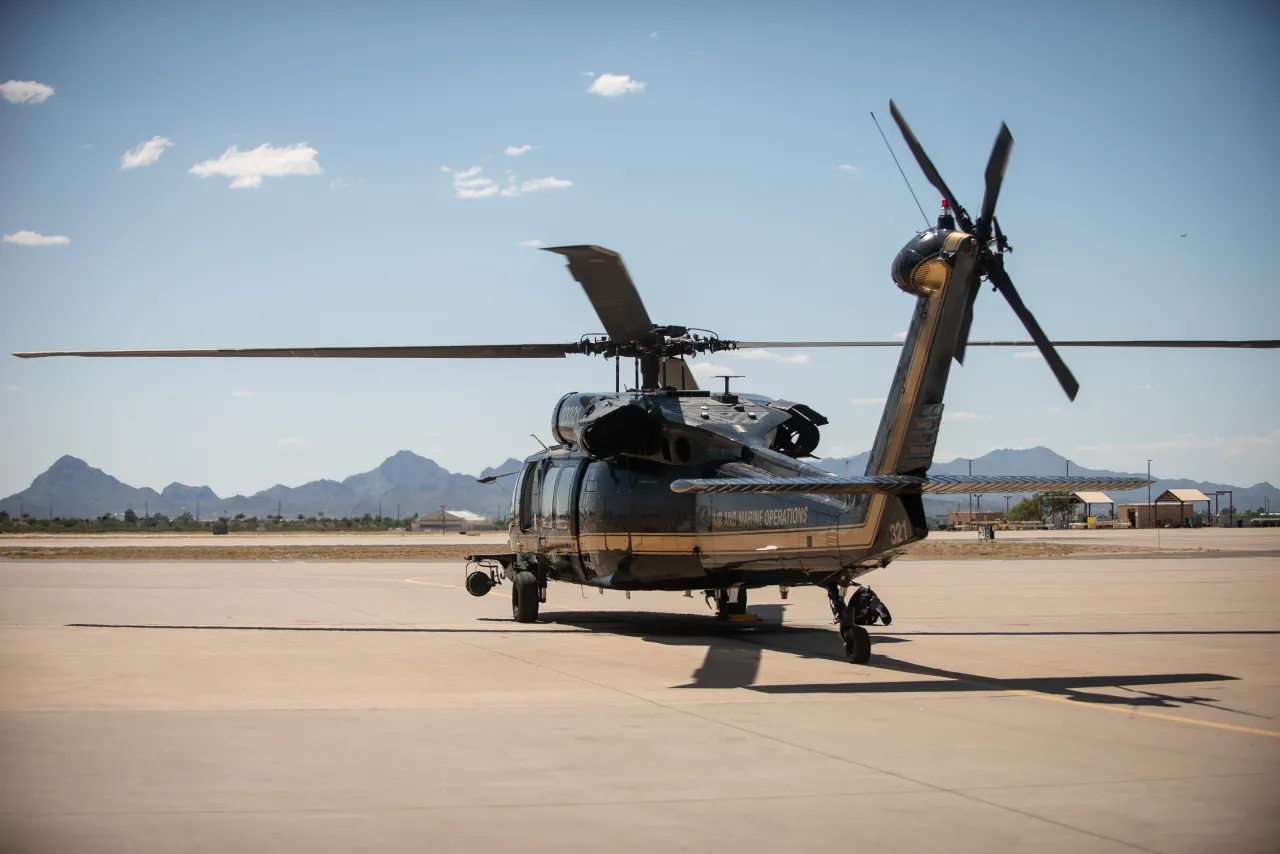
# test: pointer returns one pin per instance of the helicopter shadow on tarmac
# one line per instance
(734, 652)
(734, 649)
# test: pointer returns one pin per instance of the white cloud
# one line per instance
(248, 168)
(532, 244)
(847, 167)
(25, 92)
(146, 153)
(755, 354)
(532, 186)
(1028, 354)
(613, 85)
(12, 388)
(474, 184)
(445, 169)
(707, 369)
(653, 35)
(242, 394)
(293, 442)
(960, 416)
(900, 336)
(31, 238)
(588, 74)
(516, 150)
(868, 401)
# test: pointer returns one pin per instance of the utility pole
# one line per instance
(443, 528)
(970, 494)
(1006, 509)
(1068, 468)
(197, 511)
(397, 513)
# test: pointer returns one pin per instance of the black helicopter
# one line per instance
(666, 486)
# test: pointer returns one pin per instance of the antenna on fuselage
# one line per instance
(539, 441)
(726, 378)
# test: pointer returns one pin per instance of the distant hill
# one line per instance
(73, 488)
(1043, 461)
(414, 484)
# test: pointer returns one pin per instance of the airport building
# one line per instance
(1173, 508)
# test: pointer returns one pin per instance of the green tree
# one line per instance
(1027, 510)
(130, 516)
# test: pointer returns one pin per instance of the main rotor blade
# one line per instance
(929, 170)
(1208, 344)
(608, 285)
(999, 278)
(996, 165)
(461, 351)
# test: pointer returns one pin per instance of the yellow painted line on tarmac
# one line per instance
(1156, 715)
(433, 584)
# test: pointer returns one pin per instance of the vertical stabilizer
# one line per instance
(938, 267)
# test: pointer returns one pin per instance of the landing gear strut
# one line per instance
(864, 608)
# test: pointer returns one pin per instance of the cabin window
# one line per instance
(528, 495)
(564, 497)
(547, 503)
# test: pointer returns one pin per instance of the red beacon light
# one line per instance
(945, 219)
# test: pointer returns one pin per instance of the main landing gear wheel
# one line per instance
(524, 597)
(857, 644)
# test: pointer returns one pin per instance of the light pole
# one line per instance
(442, 520)
(1006, 509)
(970, 494)
(1151, 508)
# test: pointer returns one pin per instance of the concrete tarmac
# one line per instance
(1173, 539)
(1064, 705)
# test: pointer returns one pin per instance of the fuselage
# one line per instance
(616, 522)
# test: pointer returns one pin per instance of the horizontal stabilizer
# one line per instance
(894, 484)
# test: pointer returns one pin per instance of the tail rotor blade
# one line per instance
(929, 170)
(999, 278)
(996, 165)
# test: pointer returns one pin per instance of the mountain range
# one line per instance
(71, 488)
(413, 484)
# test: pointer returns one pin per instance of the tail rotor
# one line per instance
(993, 245)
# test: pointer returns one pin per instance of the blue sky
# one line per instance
(719, 182)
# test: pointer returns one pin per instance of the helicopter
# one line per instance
(667, 486)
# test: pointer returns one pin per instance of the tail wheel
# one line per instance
(857, 644)
(524, 597)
